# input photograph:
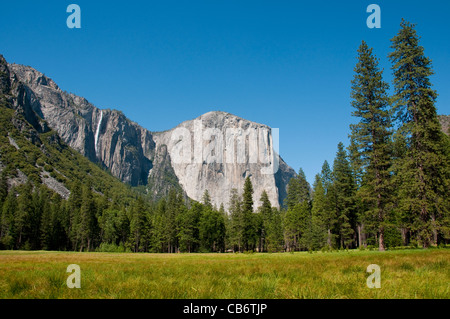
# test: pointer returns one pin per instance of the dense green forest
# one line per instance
(388, 188)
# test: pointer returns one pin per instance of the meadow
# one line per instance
(404, 274)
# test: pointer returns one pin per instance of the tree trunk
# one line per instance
(329, 238)
(359, 236)
(381, 246)
(404, 232)
(434, 229)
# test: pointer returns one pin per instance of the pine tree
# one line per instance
(291, 227)
(139, 227)
(3, 187)
(298, 190)
(265, 213)
(58, 216)
(46, 233)
(173, 209)
(22, 217)
(326, 177)
(212, 230)
(158, 233)
(7, 235)
(206, 199)
(361, 209)
(292, 193)
(249, 221)
(305, 223)
(342, 194)
(38, 200)
(188, 234)
(319, 215)
(274, 237)
(236, 230)
(304, 187)
(124, 226)
(424, 170)
(88, 223)
(109, 225)
(74, 206)
(371, 137)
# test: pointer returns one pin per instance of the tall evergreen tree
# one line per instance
(22, 217)
(88, 224)
(173, 208)
(206, 199)
(298, 190)
(249, 222)
(342, 195)
(139, 227)
(371, 137)
(292, 193)
(236, 230)
(7, 234)
(158, 234)
(189, 220)
(74, 206)
(274, 236)
(59, 231)
(319, 215)
(265, 213)
(326, 178)
(212, 230)
(424, 170)
(46, 233)
(291, 227)
(3, 187)
(361, 210)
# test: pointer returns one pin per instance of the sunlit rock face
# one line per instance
(218, 150)
(213, 152)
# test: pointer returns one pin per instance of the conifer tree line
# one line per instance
(37, 218)
(388, 188)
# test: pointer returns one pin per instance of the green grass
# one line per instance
(404, 274)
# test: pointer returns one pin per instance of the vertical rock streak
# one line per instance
(98, 131)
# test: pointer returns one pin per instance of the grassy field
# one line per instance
(404, 274)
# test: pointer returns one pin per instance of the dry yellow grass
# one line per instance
(404, 274)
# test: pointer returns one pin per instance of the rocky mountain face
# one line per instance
(104, 136)
(445, 123)
(214, 152)
(30, 151)
(218, 150)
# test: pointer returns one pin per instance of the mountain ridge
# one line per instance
(139, 156)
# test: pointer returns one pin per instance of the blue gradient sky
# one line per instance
(287, 64)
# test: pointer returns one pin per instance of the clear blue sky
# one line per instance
(287, 64)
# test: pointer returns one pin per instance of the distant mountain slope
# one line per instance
(31, 150)
(143, 158)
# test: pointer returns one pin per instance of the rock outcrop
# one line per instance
(223, 149)
(444, 120)
(218, 150)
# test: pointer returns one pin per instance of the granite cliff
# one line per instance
(215, 151)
